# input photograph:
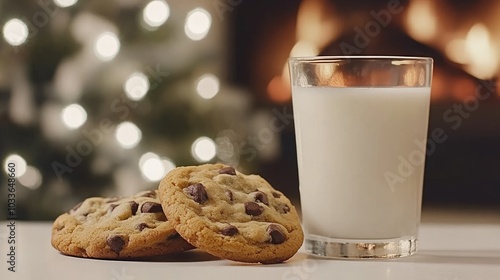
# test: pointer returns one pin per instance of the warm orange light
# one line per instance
(421, 20)
(304, 48)
(498, 87)
(316, 23)
(455, 51)
(316, 27)
(439, 85)
(279, 90)
(462, 88)
(483, 59)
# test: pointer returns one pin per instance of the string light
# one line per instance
(156, 13)
(168, 164)
(153, 168)
(208, 86)
(197, 24)
(107, 46)
(15, 32)
(128, 135)
(32, 178)
(203, 149)
(17, 162)
(65, 3)
(136, 86)
(73, 116)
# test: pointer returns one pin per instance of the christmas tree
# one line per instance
(102, 98)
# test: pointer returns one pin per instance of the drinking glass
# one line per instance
(361, 129)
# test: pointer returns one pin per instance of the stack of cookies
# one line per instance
(211, 207)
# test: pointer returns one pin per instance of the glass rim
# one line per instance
(334, 58)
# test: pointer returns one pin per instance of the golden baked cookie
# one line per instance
(231, 215)
(112, 228)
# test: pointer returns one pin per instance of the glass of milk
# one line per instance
(361, 130)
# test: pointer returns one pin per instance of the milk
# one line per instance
(348, 140)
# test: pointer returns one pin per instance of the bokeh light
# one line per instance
(15, 32)
(483, 58)
(65, 3)
(168, 164)
(156, 13)
(32, 178)
(304, 48)
(107, 46)
(128, 135)
(421, 20)
(19, 162)
(136, 86)
(455, 50)
(203, 149)
(197, 24)
(154, 168)
(73, 116)
(208, 86)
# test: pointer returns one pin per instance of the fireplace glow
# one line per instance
(421, 20)
(483, 59)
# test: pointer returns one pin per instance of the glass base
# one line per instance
(360, 249)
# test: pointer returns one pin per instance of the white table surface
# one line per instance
(447, 252)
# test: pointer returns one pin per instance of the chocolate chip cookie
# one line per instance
(112, 228)
(231, 215)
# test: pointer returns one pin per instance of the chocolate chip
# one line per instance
(116, 243)
(229, 194)
(261, 197)
(197, 192)
(173, 236)
(229, 231)
(254, 209)
(76, 207)
(133, 207)
(141, 226)
(151, 207)
(276, 195)
(283, 208)
(228, 170)
(276, 235)
(149, 194)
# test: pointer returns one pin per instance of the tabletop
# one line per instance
(447, 252)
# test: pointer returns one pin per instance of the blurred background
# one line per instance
(102, 98)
